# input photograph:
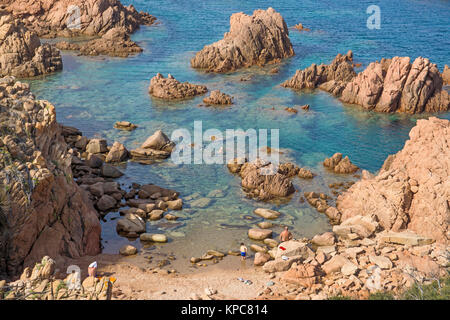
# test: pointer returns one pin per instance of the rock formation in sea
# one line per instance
(115, 43)
(258, 183)
(107, 19)
(391, 85)
(332, 78)
(217, 97)
(171, 89)
(21, 51)
(259, 39)
(412, 189)
(58, 18)
(339, 164)
(396, 85)
(43, 211)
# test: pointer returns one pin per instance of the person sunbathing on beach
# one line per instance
(285, 235)
(243, 250)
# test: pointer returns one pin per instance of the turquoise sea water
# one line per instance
(93, 93)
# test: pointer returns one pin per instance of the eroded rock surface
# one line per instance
(390, 85)
(217, 97)
(258, 183)
(258, 39)
(331, 78)
(412, 189)
(43, 209)
(171, 89)
(21, 51)
(51, 18)
(396, 85)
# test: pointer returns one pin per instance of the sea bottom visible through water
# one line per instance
(92, 93)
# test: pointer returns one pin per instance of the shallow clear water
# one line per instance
(93, 93)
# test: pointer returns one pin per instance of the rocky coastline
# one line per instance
(109, 20)
(260, 39)
(21, 52)
(391, 85)
(388, 231)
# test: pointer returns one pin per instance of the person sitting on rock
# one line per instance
(286, 235)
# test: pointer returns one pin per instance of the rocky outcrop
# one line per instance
(391, 85)
(258, 183)
(171, 89)
(52, 18)
(45, 282)
(114, 43)
(331, 78)
(43, 211)
(396, 85)
(259, 39)
(217, 97)
(157, 146)
(339, 164)
(108, 19)
(411, 191)
(21, 51)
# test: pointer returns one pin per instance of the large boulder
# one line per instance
(411, 191)
(259, 234)
(304, 275)
(258, 39)
(257, 184)
(21, 51)
(117, 153)
(171, 89)
(293, 248)
(131, 223)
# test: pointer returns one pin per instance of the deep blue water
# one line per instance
(93, 93)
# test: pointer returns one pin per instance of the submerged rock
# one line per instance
(114, 43)
(267, 213)
(171, 89)
(252, 40)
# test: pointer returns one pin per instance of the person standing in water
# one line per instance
(285, 235)
(243, 250)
